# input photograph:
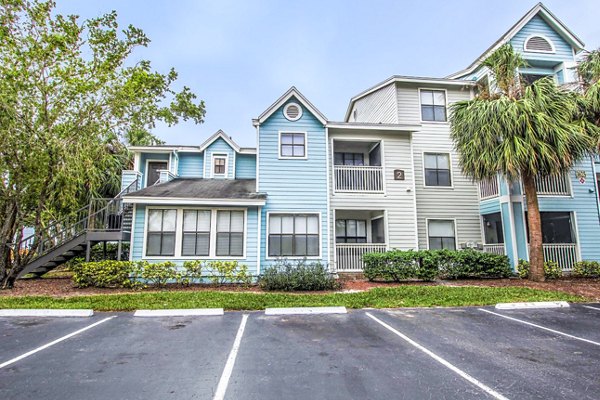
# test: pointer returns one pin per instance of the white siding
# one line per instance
(398, 200)
(460, 202)
(379, 106)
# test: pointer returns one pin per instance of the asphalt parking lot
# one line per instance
(459, 353)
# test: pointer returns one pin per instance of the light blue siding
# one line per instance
(489, 206)
(245, 166)
(150, 156)
(537, 26)
(293, 185)
(219, 146)
(191, 165)
(584, 204)
(250, 240)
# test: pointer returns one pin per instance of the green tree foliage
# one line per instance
(522, 131)
(70, 95)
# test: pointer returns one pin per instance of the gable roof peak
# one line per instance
(222, 135)
(291, 92)
(538, 9)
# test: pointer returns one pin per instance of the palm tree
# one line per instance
(520, 131)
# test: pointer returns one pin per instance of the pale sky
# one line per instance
(241, 55)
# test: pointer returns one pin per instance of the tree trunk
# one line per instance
(536, 250)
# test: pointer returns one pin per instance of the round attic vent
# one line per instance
(292, 111)
(539, 44)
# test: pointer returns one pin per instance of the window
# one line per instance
(350, 231)
(219, 164)
(153, 171)
(437, 169)
(292, 145)
(356, 159)
(433, 105)
(441, 234)
(492, 228)
(161, 232)
(230, 233)
(294, 235)
(196, 233)
(557, 227)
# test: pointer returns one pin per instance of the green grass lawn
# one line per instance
(404, 296)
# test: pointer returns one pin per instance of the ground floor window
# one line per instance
(350, 231)
(441, 234)
(209, 233)
(294, 235)
(196, 233)
(230, 233)
(557, 227)
(492, 228)
(161, 232)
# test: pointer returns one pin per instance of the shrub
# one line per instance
(104, 274)
(551, 269)
(472, 264)
(222, 272)
(587, 269)
(288, 276)
(192, 271)
(157, 274)
(426, 265)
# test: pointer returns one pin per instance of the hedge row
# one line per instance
(110, 273)
(288, 276)
(427, 265)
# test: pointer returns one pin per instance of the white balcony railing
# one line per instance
(497, 248)
(555, 185)
(564, 254)
(366, 179)
(488, 188)
(349, 255)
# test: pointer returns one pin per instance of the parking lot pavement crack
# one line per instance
(440, 360)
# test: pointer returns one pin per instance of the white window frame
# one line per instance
(450, 166)
(179, 234)
(294, 212)
(442, 219)
(214, 156)
(546, 38)
(421, 109)
(148, 161)
(299, 112)
(305, 145)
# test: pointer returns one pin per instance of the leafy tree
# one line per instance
(69, 97)
(521, 131)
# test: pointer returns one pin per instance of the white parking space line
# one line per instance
(29, 353)
(224, 381)
(592, 308)
(442, 361)
(45, 313)
(541, 327)
(192, 312)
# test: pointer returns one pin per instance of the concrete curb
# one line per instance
(191, 312)
(305, 310)
(45, 313)
(532, 305)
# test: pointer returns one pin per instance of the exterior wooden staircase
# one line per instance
(103, 220)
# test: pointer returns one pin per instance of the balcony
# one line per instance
(555, 185)
(365, 179)
(349, 255)
(488, 188)
(497, 248)
(564, 254)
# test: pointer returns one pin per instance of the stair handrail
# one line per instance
(85, 221)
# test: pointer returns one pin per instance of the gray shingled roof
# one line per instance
(199, 188)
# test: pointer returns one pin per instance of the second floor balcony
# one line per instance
(357, 167)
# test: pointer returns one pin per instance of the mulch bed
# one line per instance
(63, 287)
